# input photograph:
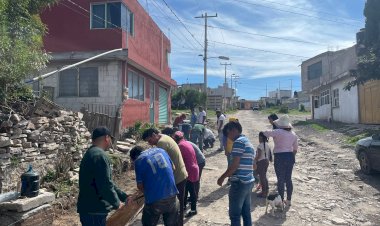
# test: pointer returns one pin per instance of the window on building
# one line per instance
(82, 82)
(98, 16)
(335, 98)
(168, 57)
(325, 97)
(136, 86)
(112, 15)
(316, 101)
(314, 71)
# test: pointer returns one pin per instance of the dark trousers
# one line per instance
(181, 197)
(209, 142)
(283, 165)
(198, 183)
(168, 208)
(262, 167)
(191, 189)
(93, 220)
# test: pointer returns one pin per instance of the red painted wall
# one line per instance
(69, 30)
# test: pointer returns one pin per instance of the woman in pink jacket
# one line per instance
(285, 149)
(189, 157)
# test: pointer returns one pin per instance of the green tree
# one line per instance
(369, 56)
(21, 45)
(188, 99)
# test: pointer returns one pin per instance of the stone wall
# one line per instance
(38, 141)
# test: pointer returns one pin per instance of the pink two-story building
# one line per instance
(81, 29)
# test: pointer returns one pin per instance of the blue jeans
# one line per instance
(283, 166)
(240, 203)
(93, 220)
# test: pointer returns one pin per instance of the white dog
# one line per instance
(275, 201)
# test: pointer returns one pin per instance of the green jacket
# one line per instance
(97, 193)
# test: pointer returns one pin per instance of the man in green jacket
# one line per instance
(98, 195)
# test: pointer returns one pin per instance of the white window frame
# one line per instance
(131, 24)
(335, 100)
(131, 89)
(325, 97)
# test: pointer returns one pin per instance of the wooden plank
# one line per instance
(127, 214)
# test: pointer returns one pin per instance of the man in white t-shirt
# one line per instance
(208, 138)
(221, 118)
(201, 116)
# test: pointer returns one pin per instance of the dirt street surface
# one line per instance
(329, 189)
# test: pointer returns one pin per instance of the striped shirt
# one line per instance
(244, 149)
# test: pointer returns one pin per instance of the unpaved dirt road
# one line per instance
(329, 189)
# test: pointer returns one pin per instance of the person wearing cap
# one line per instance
(154, 137)
(155, 178)
(98, 195)
(285, 149)
(219, 125)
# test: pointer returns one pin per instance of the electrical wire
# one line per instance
(182, 23)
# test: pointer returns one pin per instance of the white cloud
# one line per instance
(237, 15)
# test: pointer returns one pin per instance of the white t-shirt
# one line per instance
(264, 154)
(220, 122)
(208, 134)
(200, 116)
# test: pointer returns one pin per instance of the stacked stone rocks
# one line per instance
(38, 141)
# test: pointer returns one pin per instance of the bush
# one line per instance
(283, 109)
(302, 108)
(136, 131)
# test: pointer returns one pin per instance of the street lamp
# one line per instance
(205, 71)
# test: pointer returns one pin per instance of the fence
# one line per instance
(95, 115)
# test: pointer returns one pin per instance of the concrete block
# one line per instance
(41, 216)
(23, 205)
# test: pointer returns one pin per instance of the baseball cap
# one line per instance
(101, 131)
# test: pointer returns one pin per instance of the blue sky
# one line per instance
(299, 29)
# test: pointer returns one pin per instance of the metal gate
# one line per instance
(163, 112)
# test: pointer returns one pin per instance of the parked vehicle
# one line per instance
(368, 153)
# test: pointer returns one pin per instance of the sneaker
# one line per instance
(191, 213)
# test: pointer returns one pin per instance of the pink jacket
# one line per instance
(188, 155)
(284, 141)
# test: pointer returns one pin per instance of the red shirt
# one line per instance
(189, 157)
(177, 121)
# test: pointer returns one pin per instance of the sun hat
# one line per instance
(283, 122)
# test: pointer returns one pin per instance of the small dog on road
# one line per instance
(275, 201)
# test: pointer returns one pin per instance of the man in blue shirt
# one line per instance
(154, 177)
(241, 175)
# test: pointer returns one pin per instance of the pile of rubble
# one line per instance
(37, 141)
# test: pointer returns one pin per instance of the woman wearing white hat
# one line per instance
(285, 149)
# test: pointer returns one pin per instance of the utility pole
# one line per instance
(225, 85)
(279, 90)
(291, 88)
(266, 89)
(205, 54)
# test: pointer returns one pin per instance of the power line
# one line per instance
(261, 50)
(256, 34)
(182, 23)
(318, 11)
(297, 13)
(168, 19)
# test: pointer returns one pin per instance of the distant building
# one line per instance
(247, 104)
(279, 95)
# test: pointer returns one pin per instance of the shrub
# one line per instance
(136, 131)
(302, 108)
(283, 109)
